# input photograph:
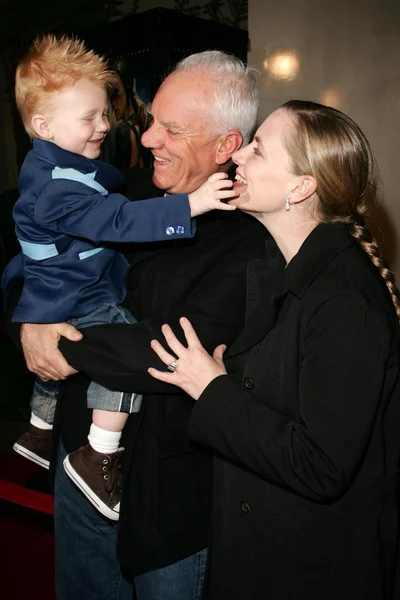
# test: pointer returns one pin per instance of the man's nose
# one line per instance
(153, 137)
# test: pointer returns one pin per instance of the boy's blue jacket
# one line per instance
(65, 218)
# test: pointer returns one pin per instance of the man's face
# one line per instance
(180, 138)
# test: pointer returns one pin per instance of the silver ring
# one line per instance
(172, 366)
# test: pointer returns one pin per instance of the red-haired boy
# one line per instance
(67, 220)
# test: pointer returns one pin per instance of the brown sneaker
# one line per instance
(35, 445)
(98, 476)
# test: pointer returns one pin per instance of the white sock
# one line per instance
(39, 423)
(104, 441)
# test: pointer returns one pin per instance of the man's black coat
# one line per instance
(167, 480)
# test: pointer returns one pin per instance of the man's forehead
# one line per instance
(189, 85)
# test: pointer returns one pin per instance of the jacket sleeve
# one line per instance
(74, 209)
(118, 356)
(344, 355)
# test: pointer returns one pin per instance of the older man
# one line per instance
(202, 114)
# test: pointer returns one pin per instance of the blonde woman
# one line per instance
(303, 410)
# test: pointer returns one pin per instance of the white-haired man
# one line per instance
(202, 114)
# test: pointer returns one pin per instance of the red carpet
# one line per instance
(24, 483)
(26, 526)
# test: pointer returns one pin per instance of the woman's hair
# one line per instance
(236, 91)
(327, 144)
(51, 65)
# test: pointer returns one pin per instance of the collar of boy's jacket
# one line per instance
(110, 177)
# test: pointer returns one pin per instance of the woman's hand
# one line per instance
(195, 368)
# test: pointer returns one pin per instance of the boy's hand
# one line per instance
(208, 196)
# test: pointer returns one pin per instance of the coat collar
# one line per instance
(107, 175)
(56, 156)
(325, 242)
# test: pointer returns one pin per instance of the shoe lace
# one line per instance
(113, 477)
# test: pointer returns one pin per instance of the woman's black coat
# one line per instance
(307, 439)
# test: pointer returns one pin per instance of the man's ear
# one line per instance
(305, 188)
(41, 127)
(228, 145)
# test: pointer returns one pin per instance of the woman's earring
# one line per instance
(287, 203)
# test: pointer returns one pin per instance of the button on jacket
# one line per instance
(66, 219)
(312, 448)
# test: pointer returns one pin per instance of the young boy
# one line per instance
(66, 218)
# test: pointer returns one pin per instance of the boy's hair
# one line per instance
(51, 65)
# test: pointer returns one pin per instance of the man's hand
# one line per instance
(40, 346)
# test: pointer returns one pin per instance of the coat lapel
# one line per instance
(267, 289)
(275, 282)
(263, 321)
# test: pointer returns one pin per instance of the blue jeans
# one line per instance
(86, 559)
(45, 393)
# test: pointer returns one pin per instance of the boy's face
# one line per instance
(79, 120)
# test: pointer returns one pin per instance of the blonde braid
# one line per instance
(368, 243)
(327, 144)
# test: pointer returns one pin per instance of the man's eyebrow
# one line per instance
(175, 126)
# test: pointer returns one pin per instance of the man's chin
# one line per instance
(162, 183)
(158, 182)
(172, 184)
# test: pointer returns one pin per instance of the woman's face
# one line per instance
(263, 177)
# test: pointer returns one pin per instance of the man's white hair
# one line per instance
(236, 90)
